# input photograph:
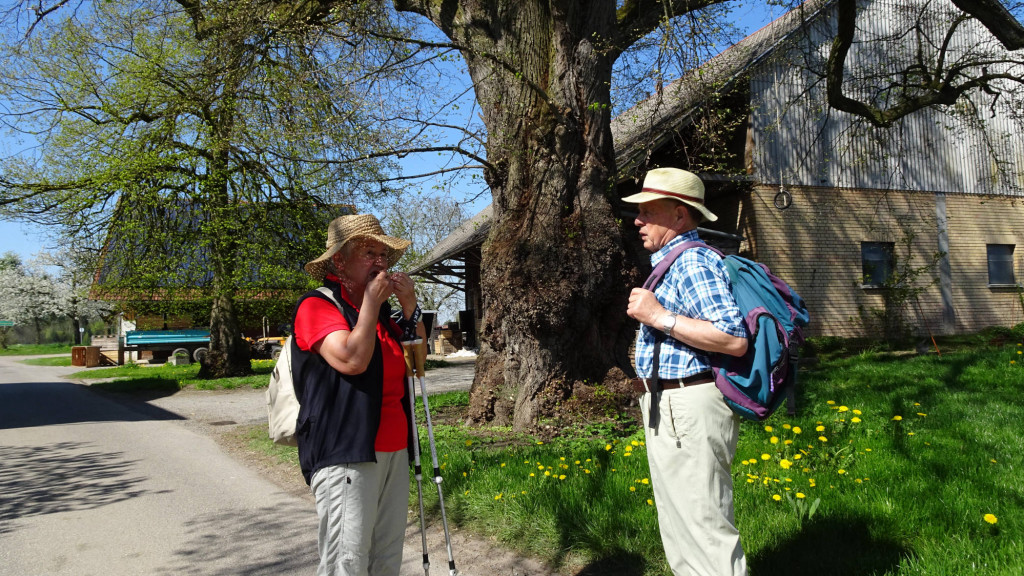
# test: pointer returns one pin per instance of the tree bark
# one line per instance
(555, 274)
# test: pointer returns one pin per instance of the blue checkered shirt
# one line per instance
(697, 286)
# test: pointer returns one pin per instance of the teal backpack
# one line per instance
(755, 384)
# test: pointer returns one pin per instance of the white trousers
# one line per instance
(690, 451)
(363, 509)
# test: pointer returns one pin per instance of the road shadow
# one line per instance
(62, 477)
(28, 405)
(267, 541)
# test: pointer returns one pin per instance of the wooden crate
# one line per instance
(88, 356)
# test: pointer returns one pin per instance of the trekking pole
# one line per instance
(421, 356)
(408, 348)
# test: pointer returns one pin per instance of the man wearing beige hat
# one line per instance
(354, 425)
(690, 432)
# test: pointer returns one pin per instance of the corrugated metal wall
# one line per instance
(973, 147)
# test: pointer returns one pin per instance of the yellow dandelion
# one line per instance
(766, 457)
(841, 471)
(540, 466)
(867, 449)
(502, 464)
(797, 456)
(822, 438)
(991, 518)
(859, 481)
(562, 458)
(831, 402)
(634, 443)
(539, 442)
(843, 409)
(992, 460)
(498, 497)
(586, 471)
(547, 473)
(650, 502)
(910, 433)
(785, 463)
(788, 442)
(532, 475)
(797, 430)
(786, 427)
(819, 429)
(561, 476)
(767, 428)
(774, 440)
(857, 412)
(645, 481)
(469, 442)
(776, 497)
(897, 417)
(921, 414)
(855, 420)
(607, 447)
(800, 495)
(632, 488)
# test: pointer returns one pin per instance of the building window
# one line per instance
(1000, 265)
(876, 263)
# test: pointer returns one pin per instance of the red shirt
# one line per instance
(315, 319)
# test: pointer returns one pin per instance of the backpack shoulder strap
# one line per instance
(659, 271)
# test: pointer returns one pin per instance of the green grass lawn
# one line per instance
(35, 349)
(168, 378)
(895, 464)
(55, 361)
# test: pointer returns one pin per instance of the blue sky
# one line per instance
(26, 240)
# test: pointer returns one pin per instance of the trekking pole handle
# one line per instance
(421, 357)
(409, 352)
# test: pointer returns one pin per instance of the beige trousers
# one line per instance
(363, 508)
(690, 451)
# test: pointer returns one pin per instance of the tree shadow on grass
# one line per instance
(833, 546)
(616, 563)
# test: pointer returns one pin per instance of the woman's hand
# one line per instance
(378, 289)
(405, 290)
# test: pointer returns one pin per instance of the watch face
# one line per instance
(668, 321)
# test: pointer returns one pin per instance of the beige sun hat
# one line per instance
(345, 228)
(675, 184)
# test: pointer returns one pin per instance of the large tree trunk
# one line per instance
(229, 354)
(555, 273)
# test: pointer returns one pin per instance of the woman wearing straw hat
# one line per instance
(690, 432)
(353, 425)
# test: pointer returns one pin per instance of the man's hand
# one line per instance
(644, 307)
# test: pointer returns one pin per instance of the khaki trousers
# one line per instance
(362, 509)
(690, 451)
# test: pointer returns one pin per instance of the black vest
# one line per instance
(340, 413)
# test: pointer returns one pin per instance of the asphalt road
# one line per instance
(91, 485)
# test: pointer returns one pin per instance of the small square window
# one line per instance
(1000, 265)
(876, 263)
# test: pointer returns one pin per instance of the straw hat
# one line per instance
(674, 184)
(345, 228)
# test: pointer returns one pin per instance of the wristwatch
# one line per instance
(667, 323)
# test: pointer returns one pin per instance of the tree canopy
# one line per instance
(198, 149)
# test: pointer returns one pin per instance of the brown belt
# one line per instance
(673, 383)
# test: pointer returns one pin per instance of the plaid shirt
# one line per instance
(697, 286)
